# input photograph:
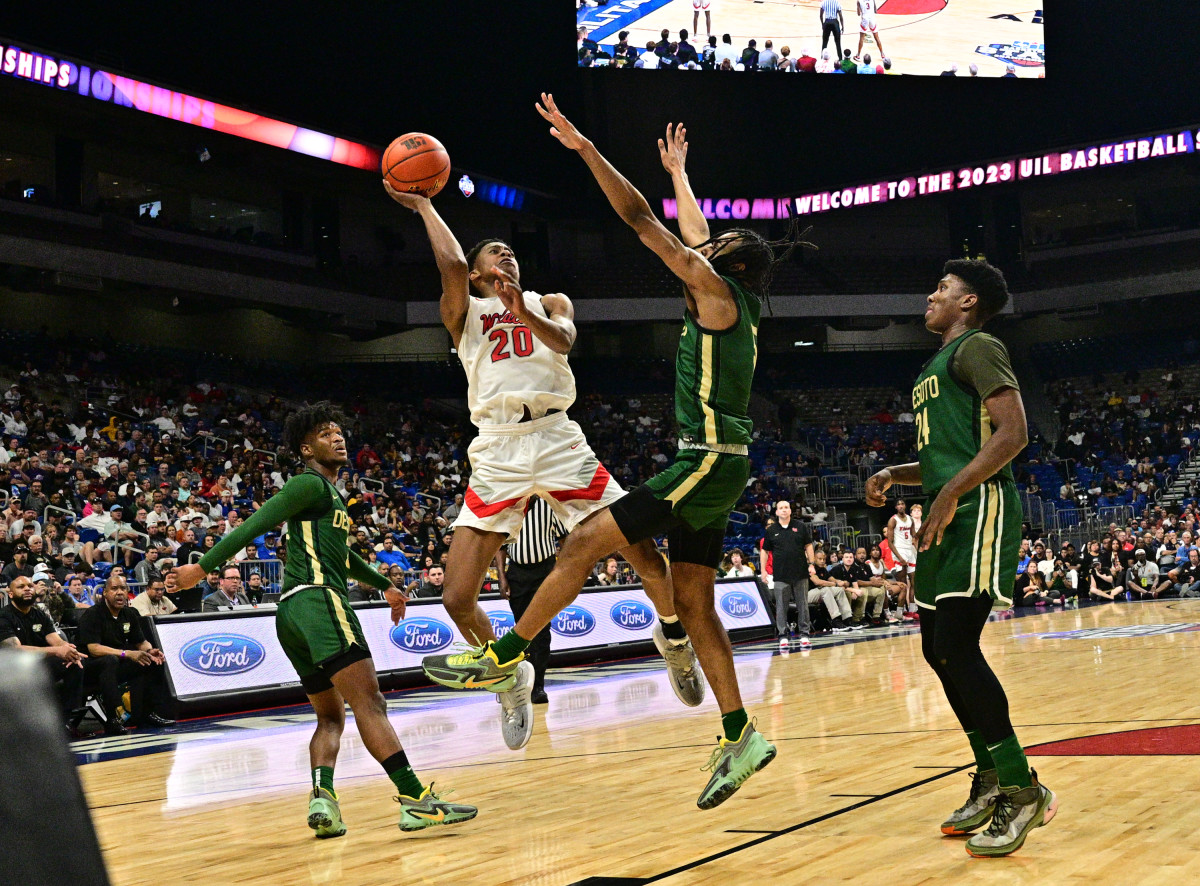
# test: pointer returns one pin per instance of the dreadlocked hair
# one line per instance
(758, 255)
(304, 421)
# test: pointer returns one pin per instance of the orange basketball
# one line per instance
(416, 163)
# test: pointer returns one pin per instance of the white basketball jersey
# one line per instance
(904, 537)
(508, 368)
(868, 9)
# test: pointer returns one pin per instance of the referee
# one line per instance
(523, 565)
(833, 23)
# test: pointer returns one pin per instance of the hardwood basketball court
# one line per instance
(919, 36)
(870, 762)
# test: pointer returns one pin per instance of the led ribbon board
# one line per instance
(65, 74)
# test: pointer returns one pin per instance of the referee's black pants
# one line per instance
(832, 26)
(523, 583)
(110, 671)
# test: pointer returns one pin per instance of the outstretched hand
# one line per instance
(398, 601)
(673, 150)
(877, 487)
(560, 127)
(411, 201)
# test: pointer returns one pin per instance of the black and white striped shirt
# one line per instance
(540, 533)
(830, 9)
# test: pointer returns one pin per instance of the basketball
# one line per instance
(416, 163)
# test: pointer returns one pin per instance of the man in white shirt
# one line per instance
(647, 59)
(724, 51)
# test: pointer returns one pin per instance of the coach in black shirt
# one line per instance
(111, 632)
(27, 627)
(790, 545)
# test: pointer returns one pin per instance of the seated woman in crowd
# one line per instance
(1031, 588)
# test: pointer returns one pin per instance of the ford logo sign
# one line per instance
(739, 604)
(222, 655)
(632, 615)
(502, 622)
(421, 635)
(574, 621)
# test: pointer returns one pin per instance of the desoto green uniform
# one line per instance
(980, 547)
(314, 621)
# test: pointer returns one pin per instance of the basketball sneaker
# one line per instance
(805, 644)
(1015, 815)
(325, 813)
(979, 806)
(474, 668)
(732, 762)
(516, 708)
(430, 809)
(681, 666)
(785, 645)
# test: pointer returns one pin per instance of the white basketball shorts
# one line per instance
(702, 5)
(549, 457)
(868, 26)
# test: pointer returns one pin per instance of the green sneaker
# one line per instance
(475, 668)
(1016, 814)
(732, 762)
(979, 806)
(324, 814)
(430, 809)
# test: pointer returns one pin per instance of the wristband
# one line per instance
(122, 653)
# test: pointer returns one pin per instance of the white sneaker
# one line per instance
(682, 667)
(516, 708)
(784, 644)
(805, 643)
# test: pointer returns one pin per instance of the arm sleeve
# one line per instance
(360, 570)
(302, 492)
(982, 363)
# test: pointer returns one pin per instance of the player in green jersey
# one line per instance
(319, 631)
(724, 278)
(970, 425)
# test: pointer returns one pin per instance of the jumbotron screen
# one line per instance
(932, 38)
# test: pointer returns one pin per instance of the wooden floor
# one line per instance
(923, 43)
(870, 761)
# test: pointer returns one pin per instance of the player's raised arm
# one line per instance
(686, 263)
(448, 254)
(693, 226)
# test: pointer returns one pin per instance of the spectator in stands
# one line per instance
(624, 54)
(685, 51)
(749, 57)
(663, 47)
(846, 575)
(391, 555)
(229, 594)
(26, 627)
(147, 568)
(831, 592)
(768, 59)
(881, 574)
(725, 52)
(435, 580)
(868, 68)
(1030, 588)
(268, 548)
(80, 593)
(153, 600)
(255, 587)
(1186, 576)
(825, 65)
(1142, 576)
(453, 510)
(847, 65)
(787, 65)
(952, 71)
(38, 558)
(19, 565)
(873, 584)
(737, 568)
(649, 58)
(609, 574)
(1010, 71)
(118, 652)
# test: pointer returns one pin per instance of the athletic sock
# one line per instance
(1012, 769)
(402, 776)
(983, 760)
(323, 778)
(509, 646)
(733, 723)
(672, 629)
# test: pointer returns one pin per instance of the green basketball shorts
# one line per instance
(979, 550)
(320, 634)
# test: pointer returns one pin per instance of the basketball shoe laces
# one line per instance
(1006, 808)
(977, 791)
(679, 657)
(432, 797)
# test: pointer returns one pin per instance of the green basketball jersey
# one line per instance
(713, 374)
(318, 551)
(952, 422)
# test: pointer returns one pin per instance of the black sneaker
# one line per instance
(538, 696)
(154, 719)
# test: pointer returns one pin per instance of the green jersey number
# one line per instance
(922, 418)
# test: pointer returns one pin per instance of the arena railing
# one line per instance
(372, 485)
(72, 517)
(270, 570)
(434, 502)
(266, 456)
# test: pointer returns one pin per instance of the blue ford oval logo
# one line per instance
(421, 635)
(632, 615)
(502, 622)
(574, 621)
(739, 604)
(222, 654)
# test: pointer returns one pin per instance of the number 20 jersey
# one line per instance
(508, 368)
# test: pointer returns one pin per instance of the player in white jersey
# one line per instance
(513, 346)
(704, 6)
(901, 534)
(867, 25)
